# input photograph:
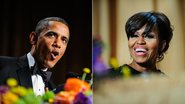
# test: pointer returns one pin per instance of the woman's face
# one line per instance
(143, 47)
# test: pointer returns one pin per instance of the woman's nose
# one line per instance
(141, 40)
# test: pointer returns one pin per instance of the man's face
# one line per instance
(51, 44)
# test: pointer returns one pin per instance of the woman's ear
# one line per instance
(33, 38)
(163, 45)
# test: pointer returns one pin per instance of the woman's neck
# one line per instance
(143, 67)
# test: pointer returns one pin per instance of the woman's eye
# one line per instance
(133, 36)
(149, 36)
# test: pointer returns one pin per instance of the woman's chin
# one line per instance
(140, 61)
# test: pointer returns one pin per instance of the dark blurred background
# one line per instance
(18, 19)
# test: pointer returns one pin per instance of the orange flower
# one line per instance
(76, 85)
(65, 97)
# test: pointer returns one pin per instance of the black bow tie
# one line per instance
(44, 74)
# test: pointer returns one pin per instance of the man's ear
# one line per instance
(33, 38)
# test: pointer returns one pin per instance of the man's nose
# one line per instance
(141, 40)
(57, 43)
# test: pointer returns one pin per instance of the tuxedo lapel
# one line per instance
(24, 77)
(51, 85)
(48, 75)
(24, 73)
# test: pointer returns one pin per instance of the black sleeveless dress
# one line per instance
(124, 71)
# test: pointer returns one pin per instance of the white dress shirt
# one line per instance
(37, 81)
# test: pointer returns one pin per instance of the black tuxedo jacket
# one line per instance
(18, 68)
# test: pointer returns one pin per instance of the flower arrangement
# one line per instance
(99, 66)
(76, 91)
(14, 94)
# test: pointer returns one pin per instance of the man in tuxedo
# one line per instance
(49, 42)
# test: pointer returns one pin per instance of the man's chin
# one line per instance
(50, 65)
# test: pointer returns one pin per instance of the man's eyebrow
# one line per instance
(65, 37)
(55, 33)
(52, 32)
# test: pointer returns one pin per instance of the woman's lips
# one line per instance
(140, 51)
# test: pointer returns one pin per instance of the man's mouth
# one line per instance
(54, 55)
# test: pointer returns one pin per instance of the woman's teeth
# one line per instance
(140, 50)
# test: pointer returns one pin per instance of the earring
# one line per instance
(130, 56)
(160, 57)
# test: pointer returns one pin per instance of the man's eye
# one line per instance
(65, 40)
(133, 36)
(51, 34)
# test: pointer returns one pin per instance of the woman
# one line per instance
(149, 35)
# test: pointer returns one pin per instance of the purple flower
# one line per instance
(3, 89)
(98, 64)
(83, 99)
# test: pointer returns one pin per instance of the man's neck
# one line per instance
(31, 61)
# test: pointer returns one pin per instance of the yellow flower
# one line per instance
(51, 100)
(86, 70)
(22, 91)
(12, 82)
(126, 72)
(114, 63)
(9, 98)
